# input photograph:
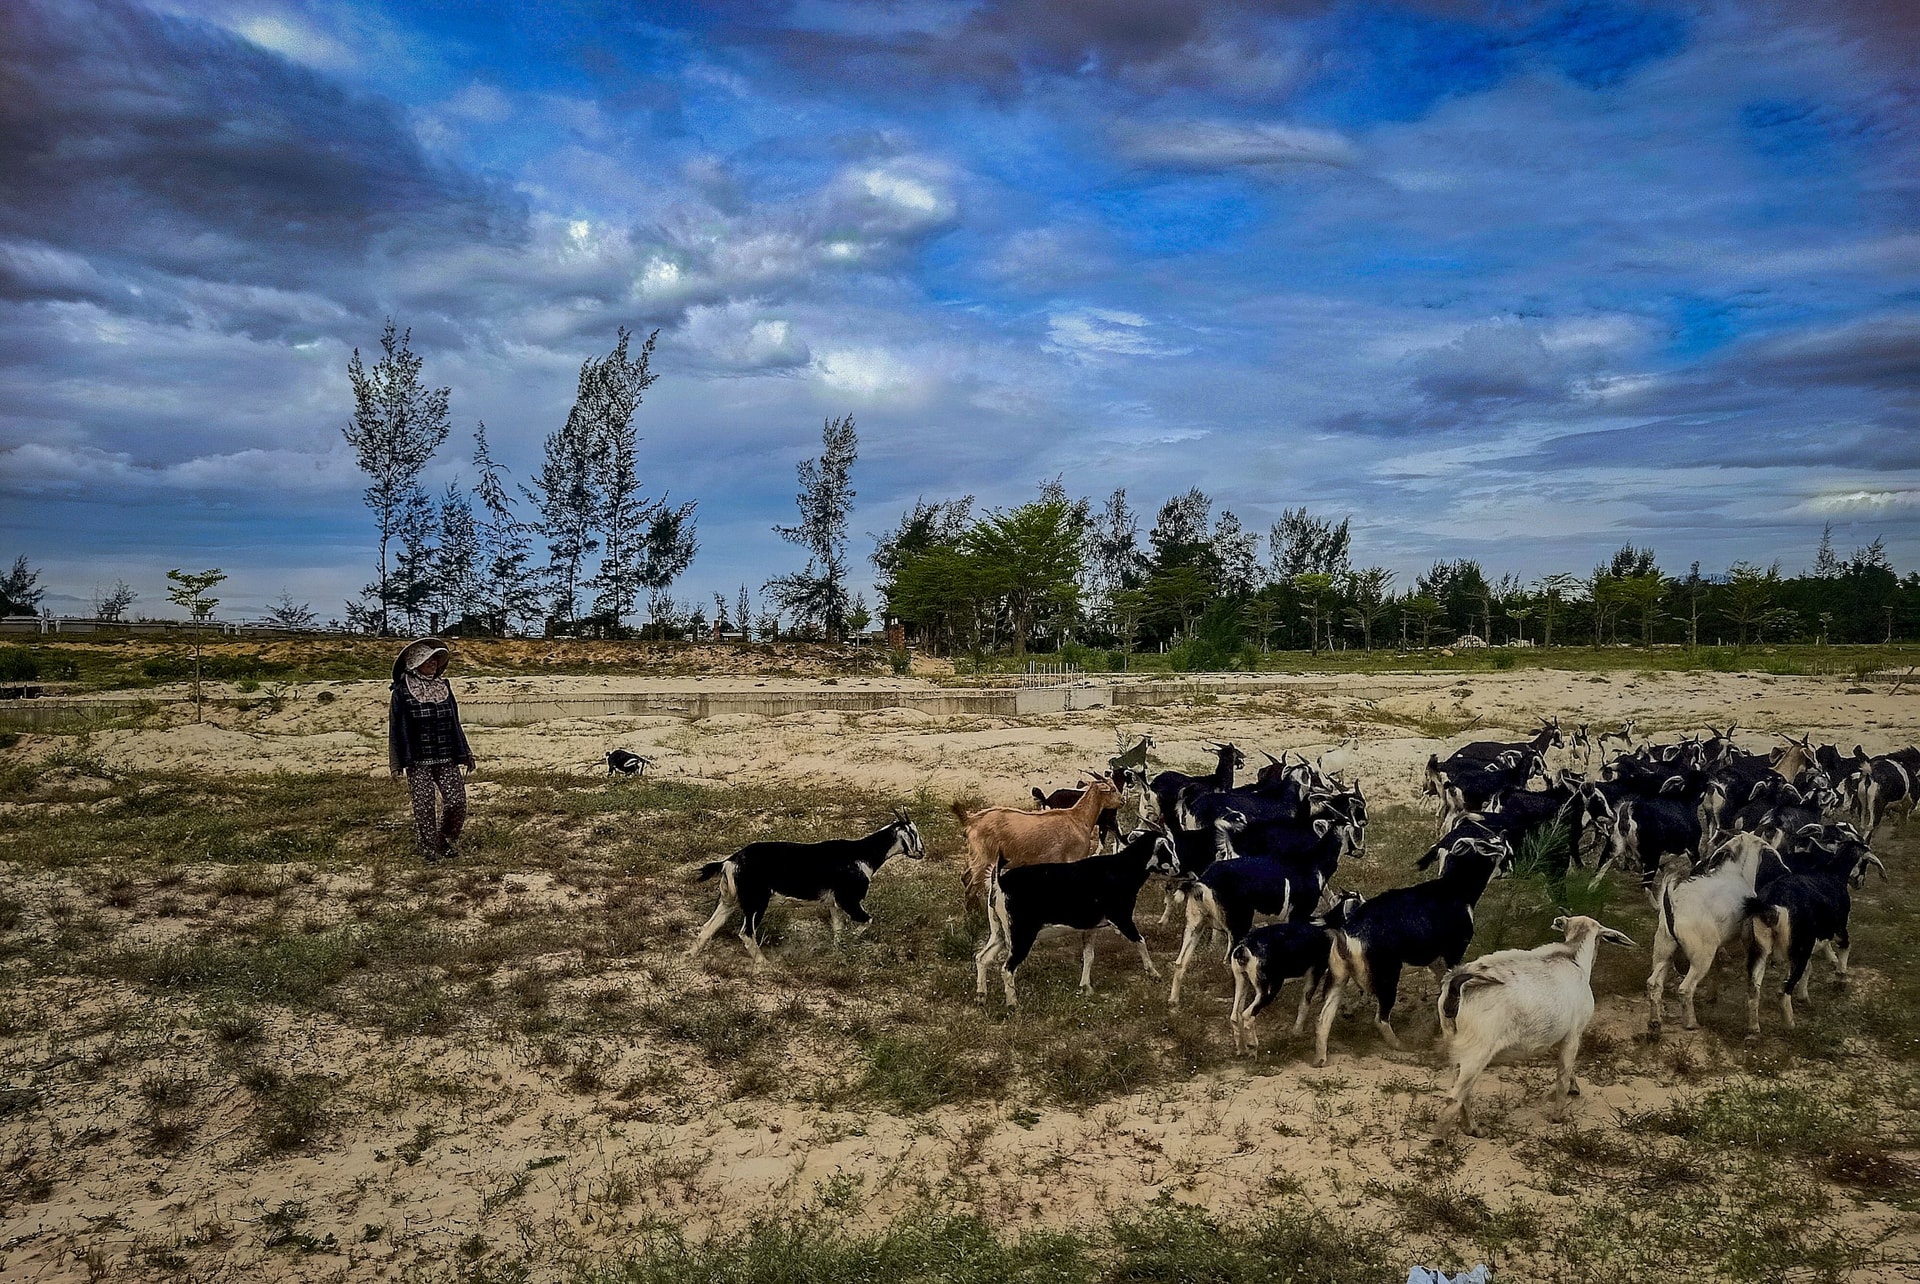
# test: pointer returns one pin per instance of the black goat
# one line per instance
(1485, 751)
(1792, 913)
(1429, 924)
(1082, 894)
(1475, 786)
(1264, 961)
(1521, 816)
(1647, 831)
(626, 762)
(837, 871)
(1163, 790)
(1283, 878)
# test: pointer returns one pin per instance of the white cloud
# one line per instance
(480, 103)
(737, 336)
(296, 40)
(1095, 332)
(1863, 501)
(868, 372)
(1204, 144)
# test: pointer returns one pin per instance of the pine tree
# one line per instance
(509, 583)
(458, 591)
(819, 593)
(1826, 563)
(414, 585)
(619, 382)
(398, 422)
(566, 494)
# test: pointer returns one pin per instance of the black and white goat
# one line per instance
(1515, 1004)
(1648, 830)
(1875, 787)
(1265, 960)
(1485, 751)
(1283, 878)
(626, 762)
(1793, 913)
(1429, 924)
(1158, 799)
(837, 872)
(1477, 786)
(1082, 894)
(1622, 737)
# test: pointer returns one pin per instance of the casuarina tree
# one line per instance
(398, 422)
(819, 593)
(192, 592)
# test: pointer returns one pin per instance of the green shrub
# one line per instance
(17, 664)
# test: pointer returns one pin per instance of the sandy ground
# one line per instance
(563, 1176)
(341, 726)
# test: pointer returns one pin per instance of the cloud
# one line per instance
(35, 467)
(866, 371)
(1092, 333)
(1874, 352)
(1208, 145)
(738, 337)
(1863, 502)
(128, 135)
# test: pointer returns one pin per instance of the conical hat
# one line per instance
(418, 653)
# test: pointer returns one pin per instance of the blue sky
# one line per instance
(1520, 281)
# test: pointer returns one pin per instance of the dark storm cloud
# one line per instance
(130, 136)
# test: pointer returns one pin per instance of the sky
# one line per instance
(1509, 280)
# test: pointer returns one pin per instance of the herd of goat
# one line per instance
(1729, 845)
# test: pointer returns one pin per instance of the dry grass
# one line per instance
(333, 989)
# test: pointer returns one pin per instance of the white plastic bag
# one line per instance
(1427, 1275)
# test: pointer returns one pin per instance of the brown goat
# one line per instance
(1032, 837)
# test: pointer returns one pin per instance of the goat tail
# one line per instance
(1450, 990)
(1772, 926)
(960, 814)
(1349, 961)
(710, 870)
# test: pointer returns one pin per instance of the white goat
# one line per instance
(1515, 1004)
(1698, 914)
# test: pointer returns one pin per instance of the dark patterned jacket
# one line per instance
(419, 733)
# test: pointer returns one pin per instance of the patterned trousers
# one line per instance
(423, 781)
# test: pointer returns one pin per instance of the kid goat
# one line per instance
(837, 871)
(1513, 1004)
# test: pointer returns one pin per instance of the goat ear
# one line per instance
(1434, 853)
(1674, 785)
(1320, 828)
(1559, 924)
(1608, 934)
(1806, 830)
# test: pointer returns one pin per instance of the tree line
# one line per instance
(1057, 573)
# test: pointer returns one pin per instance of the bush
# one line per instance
(901, 661)
(17, 664)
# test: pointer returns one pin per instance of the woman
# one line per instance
(424, 740)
